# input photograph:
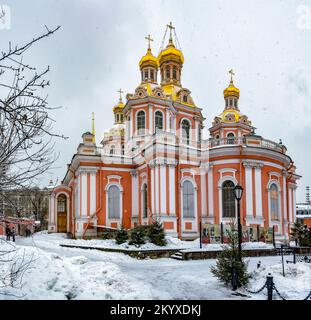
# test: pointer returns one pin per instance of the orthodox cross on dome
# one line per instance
(120, 92)
(232, 74)
(171, 27)
(149, 39)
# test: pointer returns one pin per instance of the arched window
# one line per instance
(217, 140)
(151, 75)
(158, 121)
(230, 138)
(112, 148)
(274, 201)
(167, 73)
(145, 201)
(174, 73)
(146, 74)
(61, 203)
(141, 122)
(188, 199)
(185, 98)
(228, 200)
(113, 202)
(185, 127)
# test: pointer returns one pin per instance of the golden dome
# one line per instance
(231, 91)
(120, 105)
(171, 53)
(149, 59)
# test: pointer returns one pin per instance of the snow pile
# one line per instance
(172, 243)
(294, 286)
(51, 276)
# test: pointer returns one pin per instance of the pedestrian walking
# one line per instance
(13, 234)
(8, 232)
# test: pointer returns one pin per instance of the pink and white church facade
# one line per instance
(154, 164)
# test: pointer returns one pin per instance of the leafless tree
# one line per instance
(26, 136)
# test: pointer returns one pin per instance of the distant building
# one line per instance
(26, 203)
(303, 213)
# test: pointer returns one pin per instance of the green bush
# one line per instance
(156, 234)
(137, 236)
(121, 236)
(228, 259)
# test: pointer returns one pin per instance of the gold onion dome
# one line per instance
(231, 90)
(120, 105)
(149, 59)
(171, 53)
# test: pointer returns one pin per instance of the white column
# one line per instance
(258, 192)
(172, 189)
(92, 193)
(163, 189)
(84, 194)
(52, 208)
(210, 192)
(203, 193)
(167, 120)
(284, 197)
(156, 172)
(152, 190)
(290, 205)
(249, 191)
(150, 120)
(294, 205)
(132, 121)
(135, 194)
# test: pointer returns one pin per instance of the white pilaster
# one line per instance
(203, 194)
(152, 189)
(210, 192)
(284, 198)
(92, 193)
(167, 120)
(163, 188)
(135, 194)
(249, 191)
(258, 192)
(156, 172)
(84, 194)
(172, 189)
(150, 120)
(294, 205)
(290, 205)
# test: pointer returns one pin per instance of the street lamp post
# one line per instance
(238, 192)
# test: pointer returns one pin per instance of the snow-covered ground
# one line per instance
(69, 273)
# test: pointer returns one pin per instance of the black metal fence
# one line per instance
(271, 287)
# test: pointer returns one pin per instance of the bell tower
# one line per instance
(149, 65)
(171, 61)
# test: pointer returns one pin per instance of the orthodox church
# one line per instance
(154, 163)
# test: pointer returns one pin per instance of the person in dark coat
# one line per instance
(8, 232)
(13, 234)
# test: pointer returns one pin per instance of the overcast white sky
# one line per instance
(97, 50)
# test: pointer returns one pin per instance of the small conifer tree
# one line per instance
(228, 259)
(121, 236)
(156, 234)
(137, 236)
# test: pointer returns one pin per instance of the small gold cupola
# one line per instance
(171, 61)
(118, 110)
(149, 65)
(231, 94)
